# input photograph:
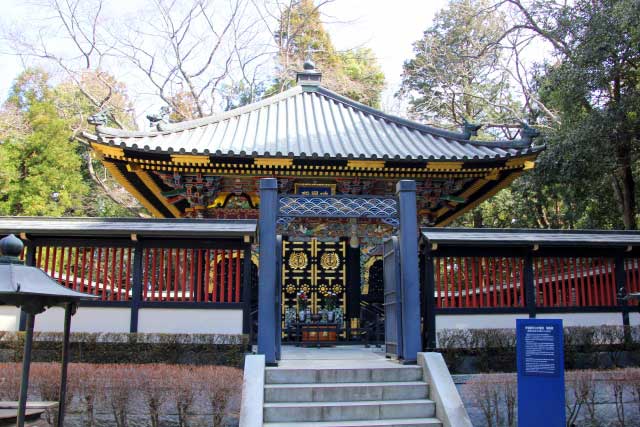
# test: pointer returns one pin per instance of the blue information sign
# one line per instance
(540, 358)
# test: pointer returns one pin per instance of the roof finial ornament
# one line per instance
(309, 76)
(470, 129)
(528, 133)
(100, 118)
(309, 65)
(155, 120)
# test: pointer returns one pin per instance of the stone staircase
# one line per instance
(347, 394)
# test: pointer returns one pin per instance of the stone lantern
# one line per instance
(34, 291)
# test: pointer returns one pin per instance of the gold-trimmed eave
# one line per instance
(326, 172)
(153, 187)
(122, 180)
(200, 162)
(477, 186)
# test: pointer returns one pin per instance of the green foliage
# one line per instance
(455, 74)
(42, 169)
(587, 176)
(354, 73)
(596, 90)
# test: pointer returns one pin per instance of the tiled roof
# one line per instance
(519, 237)
(311, 122)
(119, 227)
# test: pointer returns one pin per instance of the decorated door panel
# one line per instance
(316, 271)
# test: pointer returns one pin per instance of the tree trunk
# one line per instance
(625, 187)
(477, 218)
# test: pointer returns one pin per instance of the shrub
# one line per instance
(90, 383)
(486, 393)
(44, 378)
(222, 386)
(121, 384)
(579, 391)
(10, 381)
(184, 383)
(153, 384)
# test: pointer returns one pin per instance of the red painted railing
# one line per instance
(632, 277)
(194, 275)
(473, 282)
(168, 274)
(494, 282)
(102, 271)
(575, 282)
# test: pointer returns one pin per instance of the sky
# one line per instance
(388, 27)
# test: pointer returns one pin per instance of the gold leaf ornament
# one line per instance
(330, 261)
(298, 260)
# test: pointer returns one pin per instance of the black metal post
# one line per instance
(26, 364)
(137, 288)
(621, 291)
(30, 260)
(529, 286)
(429, 302)
(68, 312)
(246, 292)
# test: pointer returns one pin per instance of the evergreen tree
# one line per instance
(41, 169)
(456, 75)
(353, 73)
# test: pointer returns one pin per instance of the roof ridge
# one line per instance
(195, 123)
(460, 137)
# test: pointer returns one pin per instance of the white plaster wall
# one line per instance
(488, 321)
(86, 319)
(186, 321)
(9, 318)
(478, 321)
(634, 319)
(585, 319)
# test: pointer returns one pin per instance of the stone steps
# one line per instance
(327, 392)
(350, 394)
(342, 375)
(348, 411)
(413, 422)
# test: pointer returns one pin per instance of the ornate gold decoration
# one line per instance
(330, 261)
(367, 272)
(444, 166)
(365, 164)
(290, 289)
(337, 289)
(298, 260)
(266, 161)
(190, 159)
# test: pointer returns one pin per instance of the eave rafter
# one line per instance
(486, 181)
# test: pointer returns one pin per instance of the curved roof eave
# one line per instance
(457, 145)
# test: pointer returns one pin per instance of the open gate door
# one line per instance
(392, 298)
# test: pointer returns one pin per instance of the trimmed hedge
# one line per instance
(494, 350)
(194, 349)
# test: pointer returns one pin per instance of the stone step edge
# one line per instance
(350, 403)
(338, 368)
(386, 422)
(363, 384)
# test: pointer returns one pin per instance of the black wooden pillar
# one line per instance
(137, 287)
(353, 282)
(246, 291)
(621, 292)
(429, 311)
(529, 285)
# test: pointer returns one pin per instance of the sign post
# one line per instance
(540, 356)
